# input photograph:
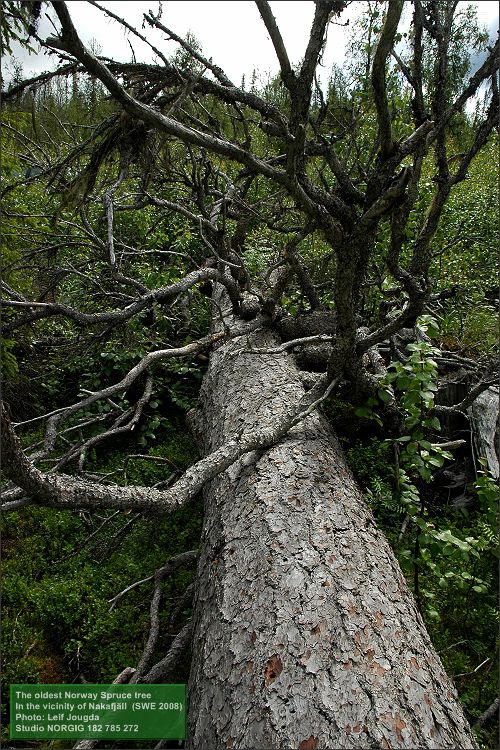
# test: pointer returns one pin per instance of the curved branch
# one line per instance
(71, 42)
(163, 671)
(163, 294)
(195, 347)
(476, 391)
(66, 492)
(122, 679)
(117, 428)
(154, 630)
(487, 69)
(325, 9)
(184, 558)
(487, 715)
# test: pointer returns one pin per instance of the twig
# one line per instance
(453, 645)
(131, 29)
(185, 558)
(467, 674)
(450, 445)
(143, 457)
(87, 540)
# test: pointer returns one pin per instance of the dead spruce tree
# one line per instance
(305, 634)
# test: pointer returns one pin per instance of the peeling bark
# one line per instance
(305, 633)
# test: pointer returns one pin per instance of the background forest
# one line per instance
(63, 618)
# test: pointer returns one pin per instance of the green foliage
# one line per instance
(471, 327)
(10, 367)
(464, 259)
(449, 557)
(60, 571)
(18, 21)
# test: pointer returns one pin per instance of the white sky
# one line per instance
(230, 31)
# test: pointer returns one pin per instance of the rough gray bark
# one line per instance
(307, 324)
(306, 635)
(485, 421)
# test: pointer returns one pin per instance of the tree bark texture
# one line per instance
(485, 426)
(306, 634)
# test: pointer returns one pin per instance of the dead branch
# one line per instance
(379, 85)
(154, 631)
(64, 491)
(476, 391)
(39, 310)
(287, 345)
(87, 540)
(474, 671)
(164, 670)
(287, 74)
(117, 428)
(133, 30)
(184, 601)
(122, 679)
(184, 558)
(487, 715)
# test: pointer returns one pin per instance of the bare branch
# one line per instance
(382, 52)
(164, 670)
(122, 679)
(467, 674)
(487, 715)
(161, 295)
(154, 630)
(64, 491)
(117, 428)
(71, 42)
(108, 207)
(218, 72)
(287, 73)
(476, 391)
(487, 69)
(412, 309)
(394, 193)
(131, 29)
(304, 341)
(18, 88)
(324, 11)
(184, 558)
(195, 347)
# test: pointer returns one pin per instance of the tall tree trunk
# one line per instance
(306, 635)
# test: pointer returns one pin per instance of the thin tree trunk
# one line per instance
(306, 635)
